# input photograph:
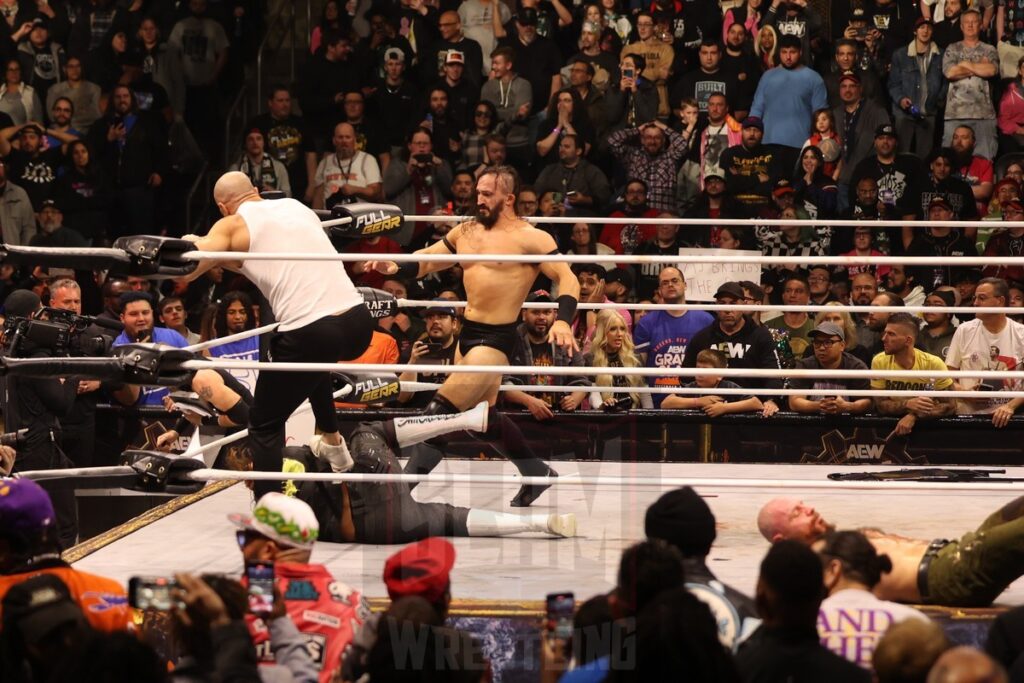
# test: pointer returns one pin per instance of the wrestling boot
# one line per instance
(414, 430)
(337, 457)
(562, 525)
(531, 492)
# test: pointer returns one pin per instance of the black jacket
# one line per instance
(131, 164)
(751, 347)
(735, 613)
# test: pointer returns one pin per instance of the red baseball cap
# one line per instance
(420, 569)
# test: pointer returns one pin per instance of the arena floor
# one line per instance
(199, 538)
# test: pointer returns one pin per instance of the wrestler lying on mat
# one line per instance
(969, 572)
(384, 513)
(387, 513)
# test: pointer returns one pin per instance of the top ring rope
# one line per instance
(746, 308)
(705, 222)
(617, 258)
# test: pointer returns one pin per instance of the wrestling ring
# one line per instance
(507, 577)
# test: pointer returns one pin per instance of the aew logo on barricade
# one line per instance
(864, 447)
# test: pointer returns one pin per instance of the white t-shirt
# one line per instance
(299, 292)
(333, 173)
(851, 622)
(975, 348)
(476, 24)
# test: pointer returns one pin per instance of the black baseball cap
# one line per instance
(595, 269)
(539, 295)
(620, 275)
(730, 290)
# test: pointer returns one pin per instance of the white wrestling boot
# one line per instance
(491, 523)
(337, 457)
(562, 525)
(413, 430)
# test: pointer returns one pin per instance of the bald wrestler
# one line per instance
(494, 294)
(322, 317)
(969, 572)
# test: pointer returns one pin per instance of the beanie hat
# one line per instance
(683, 519)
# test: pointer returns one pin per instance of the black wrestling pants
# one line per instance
(327, 340)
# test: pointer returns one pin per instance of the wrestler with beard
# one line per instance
(494, 293)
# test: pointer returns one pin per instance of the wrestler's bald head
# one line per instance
(232, 189)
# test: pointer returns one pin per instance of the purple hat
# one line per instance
(24, 507)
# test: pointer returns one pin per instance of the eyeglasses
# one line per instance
(482, 112)
(824, 343)
(644, 24)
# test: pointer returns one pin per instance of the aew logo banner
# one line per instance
(863, 447)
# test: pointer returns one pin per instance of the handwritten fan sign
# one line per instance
(704, 279)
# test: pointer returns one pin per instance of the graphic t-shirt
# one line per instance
(975, 348)
(851, 622)
(664, 337)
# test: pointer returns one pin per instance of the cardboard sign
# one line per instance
(704, 279)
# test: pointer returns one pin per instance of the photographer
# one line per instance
(80, 423)
(38, 405)
(418, 186)
(436, 347)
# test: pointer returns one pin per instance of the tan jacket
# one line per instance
(659, 57)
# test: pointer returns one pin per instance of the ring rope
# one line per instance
(724, 391)
(238, 336)
(591, 480)
(211, 474)
(746, 308)
(616, 258)
(360, 368)
(705, 222)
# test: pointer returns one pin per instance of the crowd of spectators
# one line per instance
(110, 108)
(812, 616)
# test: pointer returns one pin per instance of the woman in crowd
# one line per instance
(583, 242)
(852, 568)
(1011, 111)
(612, 347)
(485, 121)
(85, 195)
(162, 62)
(816, 191)
(735, 237)
(331, 19)
(632, 100)
(617, 21)
(565, 115)
(111, 60)
(748, 14)
(766, 47)
(18, 99)
(825, 137)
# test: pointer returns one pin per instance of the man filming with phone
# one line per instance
(436, 347)
(280, 533)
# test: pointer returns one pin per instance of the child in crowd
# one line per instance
(711, 404)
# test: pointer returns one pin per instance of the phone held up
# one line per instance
(260, 576)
